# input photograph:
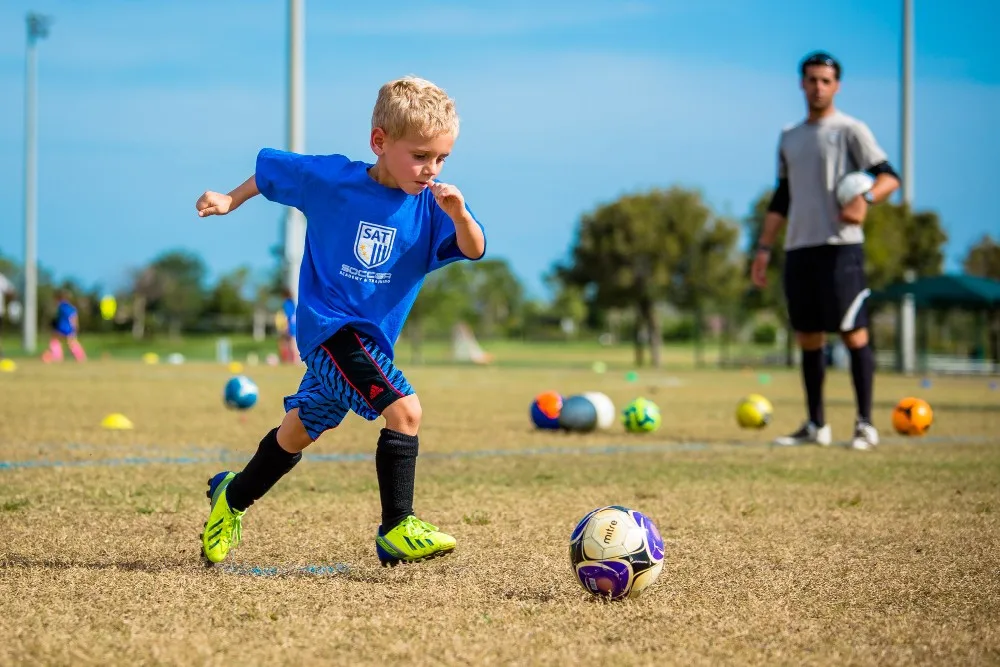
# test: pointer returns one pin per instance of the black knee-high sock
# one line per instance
(396, 467)
(863, 373)
(813, 372)
(269, 464)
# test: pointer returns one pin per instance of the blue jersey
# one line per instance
(367, 249)
(63, 322)
(288, 308)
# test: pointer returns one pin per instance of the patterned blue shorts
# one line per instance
(347, 372)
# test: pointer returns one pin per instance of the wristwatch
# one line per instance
(869, 197)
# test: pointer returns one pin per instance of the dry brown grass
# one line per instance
(773, 557)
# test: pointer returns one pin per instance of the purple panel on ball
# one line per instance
(608, 577)
(578, 531)
(652, 535)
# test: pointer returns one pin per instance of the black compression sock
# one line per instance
(813, 372)
(269, 464)
(863, 373)
(396, 468)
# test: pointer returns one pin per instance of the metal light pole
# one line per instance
(38, 27)
(906, 103)
(295, 222)
(908, 311)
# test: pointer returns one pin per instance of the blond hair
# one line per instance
(414, 106)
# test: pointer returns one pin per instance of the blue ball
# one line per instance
(578, 414)
(240, 393)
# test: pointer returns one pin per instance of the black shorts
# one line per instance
(348, 372)
(826, 288)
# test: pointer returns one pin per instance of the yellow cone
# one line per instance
(235, 367)
(7, 366)
(151, 358)
(117, 422)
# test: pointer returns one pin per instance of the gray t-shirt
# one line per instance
(814, 157)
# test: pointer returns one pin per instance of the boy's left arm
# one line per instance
(468, 234)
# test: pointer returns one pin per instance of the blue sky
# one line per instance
(564, 105)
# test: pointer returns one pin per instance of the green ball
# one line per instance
(641, 416)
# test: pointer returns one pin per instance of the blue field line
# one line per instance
(221, 455)
(335, 570)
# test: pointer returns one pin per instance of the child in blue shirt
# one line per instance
(288, 351)
(374, 232)
(65, 326)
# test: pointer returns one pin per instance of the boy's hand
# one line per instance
(213, 203)
(449, 199)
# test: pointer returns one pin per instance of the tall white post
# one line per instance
(908, 307)
(295, 222)
(38, 27)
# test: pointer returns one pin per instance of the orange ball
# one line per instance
(912, 416)
(550, 403)
(545, 410)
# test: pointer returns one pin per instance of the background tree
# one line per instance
(709, 276)
(898, 239)
(634, 251)
(226, 298)
(496, 295)
(443, 300)
(180, 275)
(983, 259)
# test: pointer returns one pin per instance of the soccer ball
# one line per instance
(578, 414)
(853, 184)
(754, 411)
(605, 408)
(641, 416)
(616, 552)
(240, 393)
(545, 410)
(912, 416)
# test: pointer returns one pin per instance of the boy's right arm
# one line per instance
(216, 203)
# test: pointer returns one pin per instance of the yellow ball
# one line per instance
(754, 411)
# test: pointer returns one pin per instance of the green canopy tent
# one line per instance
(959, 291)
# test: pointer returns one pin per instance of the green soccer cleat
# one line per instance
(223, 528)
(412, 540)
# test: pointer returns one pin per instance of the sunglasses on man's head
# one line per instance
(821, 59)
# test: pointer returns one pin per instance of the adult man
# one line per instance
(824, 280)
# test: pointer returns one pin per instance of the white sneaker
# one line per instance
(809, 434)
(865, 436)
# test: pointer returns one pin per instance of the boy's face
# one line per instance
(411, 162)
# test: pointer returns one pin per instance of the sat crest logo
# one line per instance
(373, 244)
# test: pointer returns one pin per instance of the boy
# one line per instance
(375, 231)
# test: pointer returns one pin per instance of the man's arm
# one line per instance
(215, 203)
(886, 181)
(774, 220)
(776, 217)
(870, 157)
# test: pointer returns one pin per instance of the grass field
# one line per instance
(809, 556)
